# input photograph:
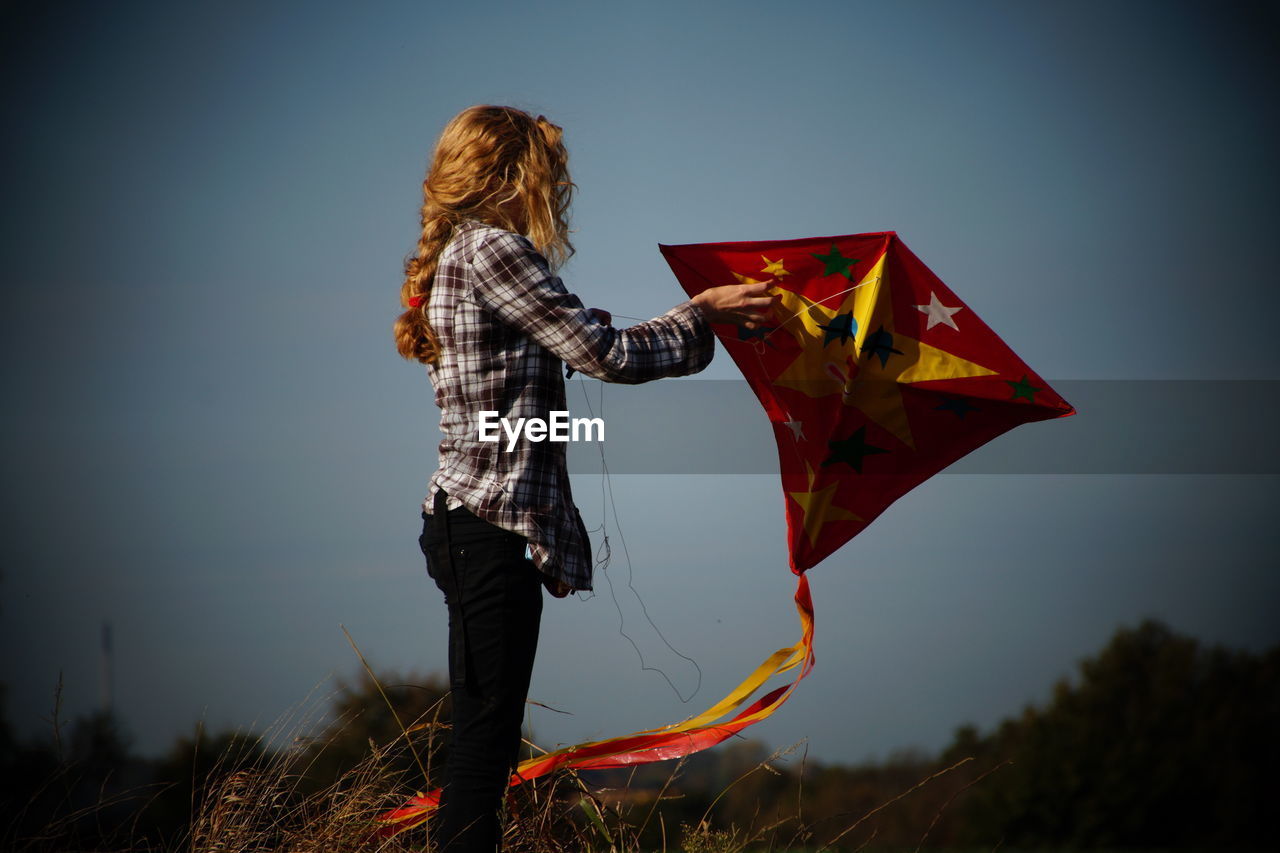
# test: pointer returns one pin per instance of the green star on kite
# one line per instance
(851, 450)
(836, 263)
(1023, 389)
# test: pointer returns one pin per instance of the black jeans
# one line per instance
(494, 597)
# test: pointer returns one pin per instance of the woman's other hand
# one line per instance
(740, 304)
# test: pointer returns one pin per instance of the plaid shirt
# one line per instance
(505, 322)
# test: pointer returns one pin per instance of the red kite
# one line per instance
(874, 375)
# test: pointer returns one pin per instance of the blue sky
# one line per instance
(211, 443)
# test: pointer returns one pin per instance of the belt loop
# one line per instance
(440, 515)
(440, 512)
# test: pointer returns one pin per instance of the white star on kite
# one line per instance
(938, 313)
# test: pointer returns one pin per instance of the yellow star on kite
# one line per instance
(819, 509)
(774, 268)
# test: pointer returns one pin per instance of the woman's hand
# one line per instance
(740, 304)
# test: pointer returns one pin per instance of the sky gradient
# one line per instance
(210, 442)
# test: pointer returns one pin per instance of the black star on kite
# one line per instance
(852, 450)
(880, 344)
(842, 326)
(958, 405)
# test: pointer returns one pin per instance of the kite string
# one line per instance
(793, 316)
(818, 302)
(695, 272)
(606, 496)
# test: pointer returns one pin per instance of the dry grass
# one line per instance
(261, 810)
(274, 805)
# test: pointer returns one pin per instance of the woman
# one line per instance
(495, 327)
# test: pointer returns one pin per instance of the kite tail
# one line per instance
(673, 741)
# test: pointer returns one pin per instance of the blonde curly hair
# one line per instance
(498, 165)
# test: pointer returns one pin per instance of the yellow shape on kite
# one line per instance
(819, 509)
(774, 268)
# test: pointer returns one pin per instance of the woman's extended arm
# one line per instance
(514, 282)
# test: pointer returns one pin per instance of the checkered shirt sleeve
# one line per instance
(514, 282)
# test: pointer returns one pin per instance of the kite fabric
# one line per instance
(874, 374)
(875, 377)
